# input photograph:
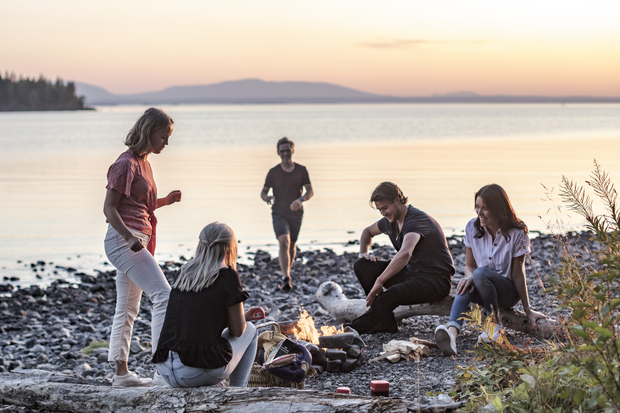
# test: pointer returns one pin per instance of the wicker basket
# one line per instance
(260, 377)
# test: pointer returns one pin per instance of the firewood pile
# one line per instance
(332, 350)
(336, 353)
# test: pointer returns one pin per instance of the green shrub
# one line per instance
(581, 373)
(591, 293)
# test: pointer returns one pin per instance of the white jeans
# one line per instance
(136, 272)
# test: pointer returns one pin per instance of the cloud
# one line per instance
(408, 44)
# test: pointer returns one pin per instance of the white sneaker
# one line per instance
(158, 380)
(491, 333)
(445, 341)
(131, 380)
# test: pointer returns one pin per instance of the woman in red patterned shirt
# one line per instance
(129, 206)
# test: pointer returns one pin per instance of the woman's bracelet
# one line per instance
(301, 199)
(526, 308)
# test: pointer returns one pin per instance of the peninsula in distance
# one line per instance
(257, 91)
(25, 94)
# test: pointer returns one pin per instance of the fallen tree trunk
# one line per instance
(331, 297)
(43, 390)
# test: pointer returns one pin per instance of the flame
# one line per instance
(306, 331)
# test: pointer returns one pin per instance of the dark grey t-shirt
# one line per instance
(431, 254)
(287, 187)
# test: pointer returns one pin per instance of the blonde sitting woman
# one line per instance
(206, 337)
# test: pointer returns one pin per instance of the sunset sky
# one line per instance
(406, 48)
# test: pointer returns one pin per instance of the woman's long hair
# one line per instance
(217, 243)
(498, 204)
(138, 137)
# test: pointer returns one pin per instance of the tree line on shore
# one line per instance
(23, 94)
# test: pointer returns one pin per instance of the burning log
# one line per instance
(333, 354)
(331, 297)
(348, 365)
(337, 358)
(304, 329)
(333, 366)
(318, 355)
(342, 340)
(354, 351)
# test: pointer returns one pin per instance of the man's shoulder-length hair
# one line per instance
(388, 191)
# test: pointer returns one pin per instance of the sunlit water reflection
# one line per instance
(53, 167)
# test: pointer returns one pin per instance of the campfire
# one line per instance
(332, 348)
(305, 329)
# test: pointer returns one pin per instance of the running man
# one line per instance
(287, 179)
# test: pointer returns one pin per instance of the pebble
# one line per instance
(135, 346)
(46, 328)
(38, 349)
(102, 357)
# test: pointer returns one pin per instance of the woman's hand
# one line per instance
(134, 243)
(464, 284)
(173, 196)
(534, 316)
(376, 291)
(255, 313)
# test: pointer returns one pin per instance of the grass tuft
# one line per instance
(88, 350)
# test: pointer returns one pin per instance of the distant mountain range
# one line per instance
(248, 91)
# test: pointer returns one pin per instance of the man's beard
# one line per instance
(397, 214)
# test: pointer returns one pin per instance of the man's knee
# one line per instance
(387, 301)
(285, 241)
(362, 265)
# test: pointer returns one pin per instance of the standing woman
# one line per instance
(206, 337)
(496, 245)
(129, 207)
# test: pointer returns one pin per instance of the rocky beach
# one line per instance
(49, 329)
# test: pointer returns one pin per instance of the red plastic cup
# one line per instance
(380, 388)
(343, 390)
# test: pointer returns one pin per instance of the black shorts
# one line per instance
(287, 224)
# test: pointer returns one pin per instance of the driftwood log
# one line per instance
(331, 297)
(42, 390)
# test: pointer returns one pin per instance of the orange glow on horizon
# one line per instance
(404, 47)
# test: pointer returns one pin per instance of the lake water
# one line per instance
(53, 171)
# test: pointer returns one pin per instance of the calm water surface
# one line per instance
(53, 170)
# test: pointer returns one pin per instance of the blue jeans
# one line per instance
(177, 374)
(490, 289)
